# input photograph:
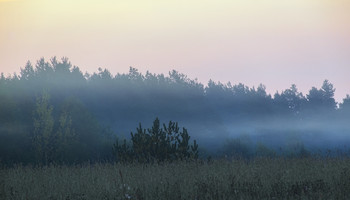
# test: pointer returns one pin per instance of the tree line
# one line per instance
(84, 112)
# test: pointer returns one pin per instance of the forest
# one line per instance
(53, 112)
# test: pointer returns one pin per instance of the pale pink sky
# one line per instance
(274, 42)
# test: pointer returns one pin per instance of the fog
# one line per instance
(225, 119)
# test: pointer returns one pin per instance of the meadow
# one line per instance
(258, 178)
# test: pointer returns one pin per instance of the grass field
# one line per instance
(278, 178)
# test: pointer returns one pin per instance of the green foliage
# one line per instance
(323, 98)
(69, 128)
(157, 144)
(345, 106)
(51, 138)
(65, 136)
(123, 151)
(43, 129)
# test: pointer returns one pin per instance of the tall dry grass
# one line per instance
(277, 178)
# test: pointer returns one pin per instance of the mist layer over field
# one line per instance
(222, 117)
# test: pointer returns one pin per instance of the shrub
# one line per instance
(263, 151)
(240, 147)
(157, 144)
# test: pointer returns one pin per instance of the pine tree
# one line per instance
(157, 144)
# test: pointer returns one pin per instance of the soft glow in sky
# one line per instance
(274, 42)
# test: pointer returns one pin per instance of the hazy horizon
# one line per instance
(276, 43)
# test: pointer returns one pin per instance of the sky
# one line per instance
(274, 42)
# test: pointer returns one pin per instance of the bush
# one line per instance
(240, 147)
(157, 144)
(263, 151)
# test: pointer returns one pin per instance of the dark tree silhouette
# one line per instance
(157, 144)
(99, 106)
